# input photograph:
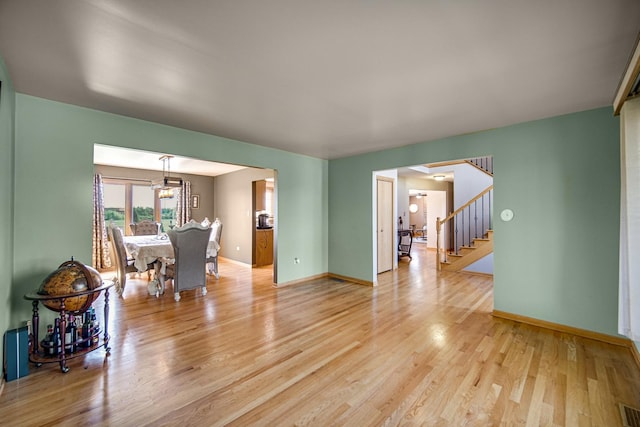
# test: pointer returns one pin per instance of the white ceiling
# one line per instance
(138, 159)
(425, 172)
(325, 78)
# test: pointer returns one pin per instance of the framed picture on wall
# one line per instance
(195, 201)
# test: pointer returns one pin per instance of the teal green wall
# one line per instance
(7, 108)
(558, 259)
(53, 187)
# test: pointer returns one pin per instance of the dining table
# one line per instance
(157, 250)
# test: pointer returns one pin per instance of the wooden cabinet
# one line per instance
(260, 195)
(264, 247)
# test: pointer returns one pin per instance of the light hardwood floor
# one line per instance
(420, 349)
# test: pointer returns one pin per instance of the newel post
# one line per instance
(438, 243)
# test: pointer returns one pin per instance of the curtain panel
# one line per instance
(629, 277)
(100, 254)
(183, 208)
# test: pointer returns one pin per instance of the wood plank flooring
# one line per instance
(420, 349)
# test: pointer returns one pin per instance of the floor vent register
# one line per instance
(630, 416)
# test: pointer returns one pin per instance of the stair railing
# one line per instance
(470, 221)
(483, 163)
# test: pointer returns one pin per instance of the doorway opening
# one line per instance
(428, 193)
(218, 190)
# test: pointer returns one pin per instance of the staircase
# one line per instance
(485, 164)
(466, 235)
(467, 255)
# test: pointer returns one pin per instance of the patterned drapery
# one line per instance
(183, 201)
(100, 254)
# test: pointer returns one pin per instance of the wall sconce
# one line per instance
(413, 208)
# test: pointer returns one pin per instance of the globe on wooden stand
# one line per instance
(71, 277)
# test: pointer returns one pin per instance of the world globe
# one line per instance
(70, 278)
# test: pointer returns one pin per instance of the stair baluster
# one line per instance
(460, 234)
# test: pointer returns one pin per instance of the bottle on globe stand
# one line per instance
(86, 329)
(74, 334)
(95, 329)
(55, 338)
(67, 338)
(47, 342)
(70, 335)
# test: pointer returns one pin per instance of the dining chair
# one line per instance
(190, 251)
(212, 259)
(145, 227)
(124, 265)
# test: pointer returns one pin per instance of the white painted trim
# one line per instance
(629, 77)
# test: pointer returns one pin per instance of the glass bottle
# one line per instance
(74, 334)
(70, 335)
(95, 327)
(55, 338)
(47, 342)
(86, 329)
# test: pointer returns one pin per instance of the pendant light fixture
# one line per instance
(166, 190)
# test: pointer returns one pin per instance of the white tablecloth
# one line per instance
(147, 249)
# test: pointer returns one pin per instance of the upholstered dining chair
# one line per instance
(190, 251)
(123, 264)
(212, 259)
(145, 227)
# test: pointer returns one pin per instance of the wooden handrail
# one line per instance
(452, 215)
(461, 208)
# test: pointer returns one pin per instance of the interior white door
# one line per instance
(385, 224)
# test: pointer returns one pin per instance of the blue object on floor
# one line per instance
(16, 353)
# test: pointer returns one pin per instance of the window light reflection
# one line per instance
(439, 335)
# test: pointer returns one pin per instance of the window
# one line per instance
(168, 213)
(268, 198)
(114, 204)
(127, 201)
(143, 203)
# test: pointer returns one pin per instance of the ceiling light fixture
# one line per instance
(165, 193)
(166, 190)
(438, 177)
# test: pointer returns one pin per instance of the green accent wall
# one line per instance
(7, 109)
(53, 188)
(557, 260)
